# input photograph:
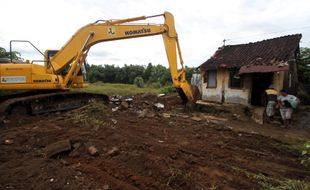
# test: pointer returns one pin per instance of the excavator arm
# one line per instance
(61, 71)
(75, 51)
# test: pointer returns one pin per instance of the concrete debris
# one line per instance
(114, 121)
(196, 118)
(159, 105)
(161, 95)
(57, 148)
(6, 121)
(142, 113)
(124, 105)
(236, 115)
(93, 151)
(166, 115)
(8, 141)
(129, 99)
(113, 152)
(116, 99)
(115, 109)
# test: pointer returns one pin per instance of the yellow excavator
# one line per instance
(64, 69)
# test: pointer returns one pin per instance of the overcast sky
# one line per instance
(201, 25)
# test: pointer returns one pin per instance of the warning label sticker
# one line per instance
(13, 79)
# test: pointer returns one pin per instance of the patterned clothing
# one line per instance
(270, 108)
(272, 101)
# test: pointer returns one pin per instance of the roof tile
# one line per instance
(267, 52)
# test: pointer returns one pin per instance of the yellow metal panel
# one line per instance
(102, 32)
(19, 71)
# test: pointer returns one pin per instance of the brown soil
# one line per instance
(147, 148)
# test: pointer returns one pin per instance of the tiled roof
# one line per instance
(271, 52)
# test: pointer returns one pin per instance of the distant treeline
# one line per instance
(130, 74)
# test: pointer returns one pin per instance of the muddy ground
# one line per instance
(144, 147)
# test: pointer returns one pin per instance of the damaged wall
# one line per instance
(278, 78)
(223, 93)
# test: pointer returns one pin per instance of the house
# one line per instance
(241, 73)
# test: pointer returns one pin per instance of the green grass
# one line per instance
(119, 89)
(270, 183)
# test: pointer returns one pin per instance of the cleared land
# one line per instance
(144, 147)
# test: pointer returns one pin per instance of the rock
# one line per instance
(8, 141)
(142, 113)
(77, 145)
(196, 118)
(166, 115)
(93, 151)
(5, 121)
(129, 99)
(146, 102)
(113, 152)
(258, 115)
(106, 187)
(236, 115)
(57, 148)
(150, 115)
(161, 95)
(76, 149)
(114, 121)
(115, 109)
(159, 105)
(124, 105)
(116, 100)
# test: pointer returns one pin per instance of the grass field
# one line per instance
(119, 89)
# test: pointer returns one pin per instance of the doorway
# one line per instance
(260, 82)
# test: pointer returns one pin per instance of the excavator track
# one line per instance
(49, 102)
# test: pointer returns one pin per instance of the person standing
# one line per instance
(271, 97)
(285, 102)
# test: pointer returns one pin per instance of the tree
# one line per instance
(304, 65)
(189, 73)
(147, 72)
(139, 82)
(5, 54)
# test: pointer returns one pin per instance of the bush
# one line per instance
(155, 85)
(139, 82)
(306, 154)
(168, 90)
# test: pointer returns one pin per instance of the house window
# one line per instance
(210, 78)
(235, 80)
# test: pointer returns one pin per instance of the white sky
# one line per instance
(201, 25)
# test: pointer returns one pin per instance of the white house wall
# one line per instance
(278, 79)
(222, 92)
(212, 94)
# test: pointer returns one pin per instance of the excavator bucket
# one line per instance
(188, 93)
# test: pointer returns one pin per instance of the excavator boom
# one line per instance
(62, 71)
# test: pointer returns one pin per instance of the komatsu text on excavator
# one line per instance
(63, 69)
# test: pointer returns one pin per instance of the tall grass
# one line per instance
(119, 89)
